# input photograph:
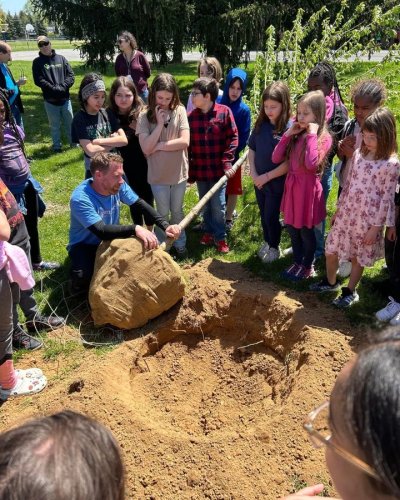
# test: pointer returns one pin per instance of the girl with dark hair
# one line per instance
(360, 425)
(127, 105)
(364, 208)
(93, 127)
(16, 174)
(132, 63)
(305, 145)
(323, 77)
(269, 178)
(163, 132)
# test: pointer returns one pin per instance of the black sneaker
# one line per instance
(21, 340)
(324, 286)
(46, 323)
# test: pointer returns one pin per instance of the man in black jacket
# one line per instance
(53, 74)
(9, 86)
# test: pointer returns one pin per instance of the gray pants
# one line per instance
(6, 320)
(24, 298)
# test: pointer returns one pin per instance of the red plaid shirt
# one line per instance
(213, 142)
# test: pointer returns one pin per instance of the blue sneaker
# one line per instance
(346, 299)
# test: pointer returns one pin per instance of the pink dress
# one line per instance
(303, 203)
(367, 200)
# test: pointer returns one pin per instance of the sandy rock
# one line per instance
(130, 286)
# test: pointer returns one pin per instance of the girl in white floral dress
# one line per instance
(365, 206)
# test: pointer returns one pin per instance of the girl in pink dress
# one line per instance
(305, 145)
(365, 206)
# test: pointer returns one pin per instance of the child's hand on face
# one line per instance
(371, 235)
(295, 129)
(313, 128)
(347, 145)
(160, 116)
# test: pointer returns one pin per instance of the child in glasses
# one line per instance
(213, 143)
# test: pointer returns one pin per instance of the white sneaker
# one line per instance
(272, 255)
(287, 251)
(396, 320)
(263, 250)
(389, 312)
(344, 269)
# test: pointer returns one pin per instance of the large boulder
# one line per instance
(130, 286)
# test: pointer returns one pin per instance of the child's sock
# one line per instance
(8, 377)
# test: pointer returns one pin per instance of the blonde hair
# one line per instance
(315, 100)
(214, 67)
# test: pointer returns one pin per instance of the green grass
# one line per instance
(61, 173)
(22, 45)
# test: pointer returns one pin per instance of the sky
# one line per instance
(12, 5)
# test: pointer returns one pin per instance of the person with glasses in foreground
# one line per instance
(360, 425)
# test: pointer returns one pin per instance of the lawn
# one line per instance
(20, 45)
(59, 174)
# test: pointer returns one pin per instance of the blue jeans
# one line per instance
(326, 181)
(17, 115)
(169, 201)
(56, 115)
(214, 210)
(144, 95)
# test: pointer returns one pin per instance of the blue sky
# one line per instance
(12, 5)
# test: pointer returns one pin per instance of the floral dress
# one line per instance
(367, 200)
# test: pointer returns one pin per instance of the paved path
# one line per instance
(74, 55)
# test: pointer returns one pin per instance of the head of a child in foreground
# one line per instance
(363, 422)
(92, 93)
(275, 106)
(379, 135)
(367, 96)
(63, 456)
(204, 92)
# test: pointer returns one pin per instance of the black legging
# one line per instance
(31, 221)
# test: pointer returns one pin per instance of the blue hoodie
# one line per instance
(240, 110)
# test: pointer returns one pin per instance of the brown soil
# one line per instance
(209, 400)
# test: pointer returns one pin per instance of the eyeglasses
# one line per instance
(121, 40)
(43, 44)
(317, 426)
(194, 94)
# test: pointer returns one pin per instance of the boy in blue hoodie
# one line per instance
(234, 88)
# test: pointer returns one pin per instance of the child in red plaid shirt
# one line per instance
(213, 142)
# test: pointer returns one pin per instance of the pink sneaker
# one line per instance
(222, 246)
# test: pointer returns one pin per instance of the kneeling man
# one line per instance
(95, 209)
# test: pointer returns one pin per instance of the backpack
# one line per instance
(336, 125)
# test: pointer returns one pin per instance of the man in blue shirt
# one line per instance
(95, 210)
(8, 85)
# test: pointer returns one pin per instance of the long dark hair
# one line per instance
(9, 118)
(372, 413)
(137, 104)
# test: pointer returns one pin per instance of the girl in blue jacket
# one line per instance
(235, 86)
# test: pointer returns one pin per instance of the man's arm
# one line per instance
(69, 75)
(38, 77)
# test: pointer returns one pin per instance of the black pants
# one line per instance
(269, 205)
(392, 258)
(303, 244)
(31, 221)
(82, 258)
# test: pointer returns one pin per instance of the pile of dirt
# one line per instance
(209, 402)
